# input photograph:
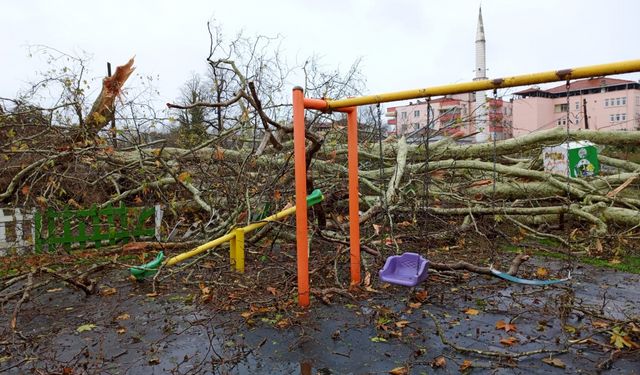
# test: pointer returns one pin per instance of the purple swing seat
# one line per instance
(408, 269)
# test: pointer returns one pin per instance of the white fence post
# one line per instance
(158, 220)
(17, 219)
(3, 232)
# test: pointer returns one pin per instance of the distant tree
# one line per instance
(195, 121)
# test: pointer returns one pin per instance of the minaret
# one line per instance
(481, 73)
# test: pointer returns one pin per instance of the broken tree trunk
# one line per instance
(103, 108)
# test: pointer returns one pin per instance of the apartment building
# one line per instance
(452, 114)
(594, 104)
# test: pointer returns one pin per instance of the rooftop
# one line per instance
(578, 85)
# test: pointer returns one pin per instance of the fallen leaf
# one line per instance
(25, 190)
(555, 362)
(108, 291)
(367, 279)
(283, 323)
(422, 295)
(124, 316)
(376, 228)
(277, 195)
(620, 339)
(378, 339)
(466, 365)
(219, 154)
(272, 290)
(615, 261)
(501, 324)
(152, 295)
(85, 327)
(439, 362)
(399, 371)
(121, 330)
(402, 323)
(471, 311)
(67, 371)
(509, 341)
(415, 305)
(184, 177)
(542, 272)
(54, 290)
(404, 224)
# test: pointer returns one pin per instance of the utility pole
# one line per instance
(584, 113)
(113, 130)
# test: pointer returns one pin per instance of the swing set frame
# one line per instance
(350, 107)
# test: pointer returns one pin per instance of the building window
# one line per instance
(623, 117)
(611, 118)
(606, 102)
(577, 105)
(416, 113)
(624, 100)
(561, 108)
(403, 115)
(618, 101)
(617, 117)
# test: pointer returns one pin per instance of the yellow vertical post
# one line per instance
(239, 247)
(232, 250)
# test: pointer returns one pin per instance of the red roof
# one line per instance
(590, 83)
(445, 99)
(584, 84)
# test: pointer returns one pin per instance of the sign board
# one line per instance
(575, 159)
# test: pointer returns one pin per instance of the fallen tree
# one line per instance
(245, 168)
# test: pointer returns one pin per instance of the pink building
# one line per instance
(451, 114)
(595, 104)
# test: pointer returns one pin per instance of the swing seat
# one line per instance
(408, 269)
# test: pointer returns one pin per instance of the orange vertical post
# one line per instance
(300, 171)
(354, 206)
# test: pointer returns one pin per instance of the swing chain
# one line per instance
(427, 155)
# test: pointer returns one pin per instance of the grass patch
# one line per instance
(630, 264)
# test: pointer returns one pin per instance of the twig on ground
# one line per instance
(25, 296)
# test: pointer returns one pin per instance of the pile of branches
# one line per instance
(242, 168)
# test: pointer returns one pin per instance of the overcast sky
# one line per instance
(404, 44)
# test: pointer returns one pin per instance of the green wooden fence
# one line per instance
(97, 225)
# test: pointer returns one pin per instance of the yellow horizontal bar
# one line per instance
(266, 220)
(489, 84)
(228, 237)
(204, 247)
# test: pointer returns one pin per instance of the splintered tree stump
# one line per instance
(103, 108)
